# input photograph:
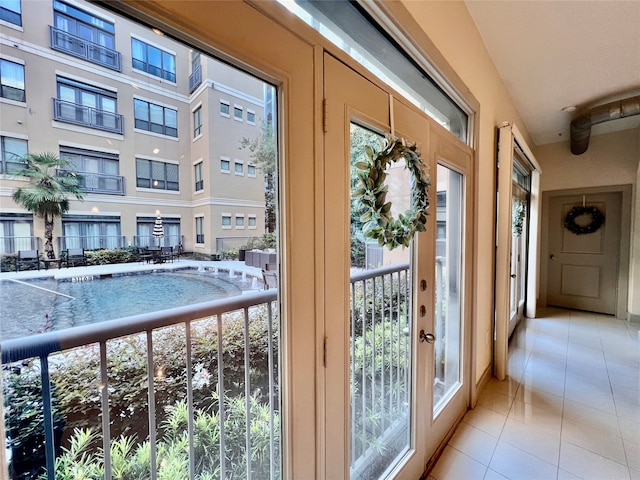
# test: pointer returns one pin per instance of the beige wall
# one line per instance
(611, 159)
(450, 27)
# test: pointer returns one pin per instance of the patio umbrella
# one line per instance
(158, 231)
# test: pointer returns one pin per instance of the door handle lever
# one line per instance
(427, 337)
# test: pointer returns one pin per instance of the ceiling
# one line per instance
(556, 54)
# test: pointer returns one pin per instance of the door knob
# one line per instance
(552, 256)
(427, 337)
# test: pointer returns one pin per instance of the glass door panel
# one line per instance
(448, 312)
(380, 331)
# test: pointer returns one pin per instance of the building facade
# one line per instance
(152, 126)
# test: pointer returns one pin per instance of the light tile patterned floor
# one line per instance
(570, 408)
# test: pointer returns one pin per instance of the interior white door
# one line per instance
(582, 270)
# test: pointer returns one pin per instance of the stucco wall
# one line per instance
(450, 27)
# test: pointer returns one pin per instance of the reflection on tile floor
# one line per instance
(570, 408)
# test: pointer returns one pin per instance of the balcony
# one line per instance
(69, 112)
(91, 242)
(11, 245)
(195, 79)
(81, 48)
(150, 241)
(167, 385)
(99, 182)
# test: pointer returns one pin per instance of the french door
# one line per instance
(382, 338)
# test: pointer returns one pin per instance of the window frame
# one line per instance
(166, 130)
(225, 161)
(145, 65)
(238, 108)
(197, 122)
(6, 14)
(225, 103)
(4, 163)
(7, 85)
(152, 183)
(235, 168)
(199, 229)
(198, 176)
(226, 225)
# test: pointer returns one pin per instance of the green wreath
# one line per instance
(597, 219)
(372, 192)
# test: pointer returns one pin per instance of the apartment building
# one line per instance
(152, 126)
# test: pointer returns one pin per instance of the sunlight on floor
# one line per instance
(570, 408)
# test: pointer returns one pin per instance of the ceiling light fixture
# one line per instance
(569, 109)
(157, 32)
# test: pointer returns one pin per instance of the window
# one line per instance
(144, 230)
(157, 175)
(239, 221)
(237, 113)
(16, 233)
(224, 108)
(197, 122)
(251, 117)
(86, 105)
(100, 172)
(84, 35)
(198, 176)
(252, 221)
(199, 229)
(13, 151)
(226, 221)
(155, 118)
(195, 79)
(153, 60)
(12, 81)
(238, 168)
(11, 11)
(225, 165)
(91, 232)
(251, 170)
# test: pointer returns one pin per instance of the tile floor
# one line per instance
(570, 408)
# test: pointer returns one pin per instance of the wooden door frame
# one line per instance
(624, 248)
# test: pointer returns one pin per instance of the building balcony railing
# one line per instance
(87, 116)
(11, 245)
(91, 182)
(91, 242)
(81, 48)
(185, 393)
(195, 79)
(150, 241)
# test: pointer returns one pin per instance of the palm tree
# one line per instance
(48, 190)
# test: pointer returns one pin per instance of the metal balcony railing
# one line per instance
(195, 79)
(81, 48)
(150, 241)
(9, 245)
(91, 242)
(87, 116)
(241, 398)
(99, 182)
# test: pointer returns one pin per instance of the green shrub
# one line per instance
(75, 377)
(108, 257)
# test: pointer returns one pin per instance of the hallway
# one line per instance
(570, 409)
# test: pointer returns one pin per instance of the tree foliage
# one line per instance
(52, 180)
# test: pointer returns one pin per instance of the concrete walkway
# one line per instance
(119, 268)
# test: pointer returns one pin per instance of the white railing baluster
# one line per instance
(106, 423)
(221, 400)
(247, 392)
(190, 429)
(152, 405)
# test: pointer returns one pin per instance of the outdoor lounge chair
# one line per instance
(269, 279)
(74, 257)
(166, 254)
(28, 257)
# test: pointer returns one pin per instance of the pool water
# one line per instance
(25, 310)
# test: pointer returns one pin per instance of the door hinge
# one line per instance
(324, 353)
(325, 125)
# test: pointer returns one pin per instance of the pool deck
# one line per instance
(116, 268)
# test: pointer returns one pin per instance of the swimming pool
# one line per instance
(26, 310)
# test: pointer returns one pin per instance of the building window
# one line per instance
(13, 152)
(252, 222)
(225, 165)
(240, 221)
(11, 11)
(225, 108)
(251, 117)
(237, 113)
(153, 60)
(195, 79)
(91, 232)
(197, 122)
(144, 230)
(12, 81)
(197, 168)
(157, 175)
(199, 229)
(99, 172)
(86, 105)
(16, 233)
(238, 168)
(155, 118)
(84, 35)
(226, 221)
(251, 170)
